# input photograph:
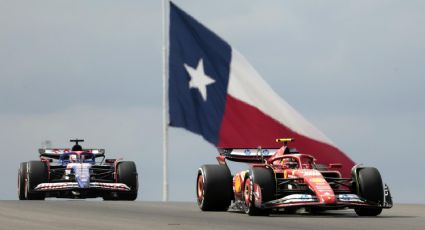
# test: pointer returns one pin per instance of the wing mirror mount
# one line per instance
(110, 161)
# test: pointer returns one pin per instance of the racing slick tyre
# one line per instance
(370, 188)
(37, 173)
(265, 179)
(22, 171)
(127, 174)
(214, 189)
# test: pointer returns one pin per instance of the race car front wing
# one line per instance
(74, 185)
(344, 200)
(311, 200)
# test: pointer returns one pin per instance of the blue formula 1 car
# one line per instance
(77, 173)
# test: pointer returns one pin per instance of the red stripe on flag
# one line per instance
(245, 126)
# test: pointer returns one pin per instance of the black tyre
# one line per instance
(214, 190)
(127, 174)
(37, 173)
(266, 180)
(108, 197)
(368, 211)
(370, 187)
(22, 171)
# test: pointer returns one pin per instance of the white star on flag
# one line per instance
(198, 78)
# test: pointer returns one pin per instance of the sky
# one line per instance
(93, 70)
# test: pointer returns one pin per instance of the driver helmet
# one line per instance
(308, 163)
(290, 163)
(73, 158)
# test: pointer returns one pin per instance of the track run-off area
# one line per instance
(93, 214)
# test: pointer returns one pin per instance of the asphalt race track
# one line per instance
(77, 214)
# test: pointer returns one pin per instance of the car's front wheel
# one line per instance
(370, 187)
(127, 174)
(264, 178)
(37, 173)
(22, 171)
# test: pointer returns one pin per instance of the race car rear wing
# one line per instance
(56, 153)
(247, 154)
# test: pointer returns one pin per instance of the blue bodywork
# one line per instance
(80, 168)
(88, 158)
(82, 174)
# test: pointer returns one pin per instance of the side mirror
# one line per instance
(335, 165)
(110, 161)
(47, 160)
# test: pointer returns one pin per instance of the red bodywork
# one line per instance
(299, 181)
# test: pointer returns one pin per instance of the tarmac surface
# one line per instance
(93, 214)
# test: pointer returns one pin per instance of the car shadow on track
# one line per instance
(324, 214)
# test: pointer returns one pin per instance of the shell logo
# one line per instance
(238, 183)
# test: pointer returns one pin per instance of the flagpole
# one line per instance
(165, 4)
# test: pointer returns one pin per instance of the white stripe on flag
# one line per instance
(246, 85)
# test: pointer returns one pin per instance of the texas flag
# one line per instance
(215, 92)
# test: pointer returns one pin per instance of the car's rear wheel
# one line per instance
(37, 173)
(22, 171)
(214, 188)
(127, 174)
(264, 178)
(370, 187)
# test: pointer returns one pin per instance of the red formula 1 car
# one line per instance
(285, 180)
(77, 173)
